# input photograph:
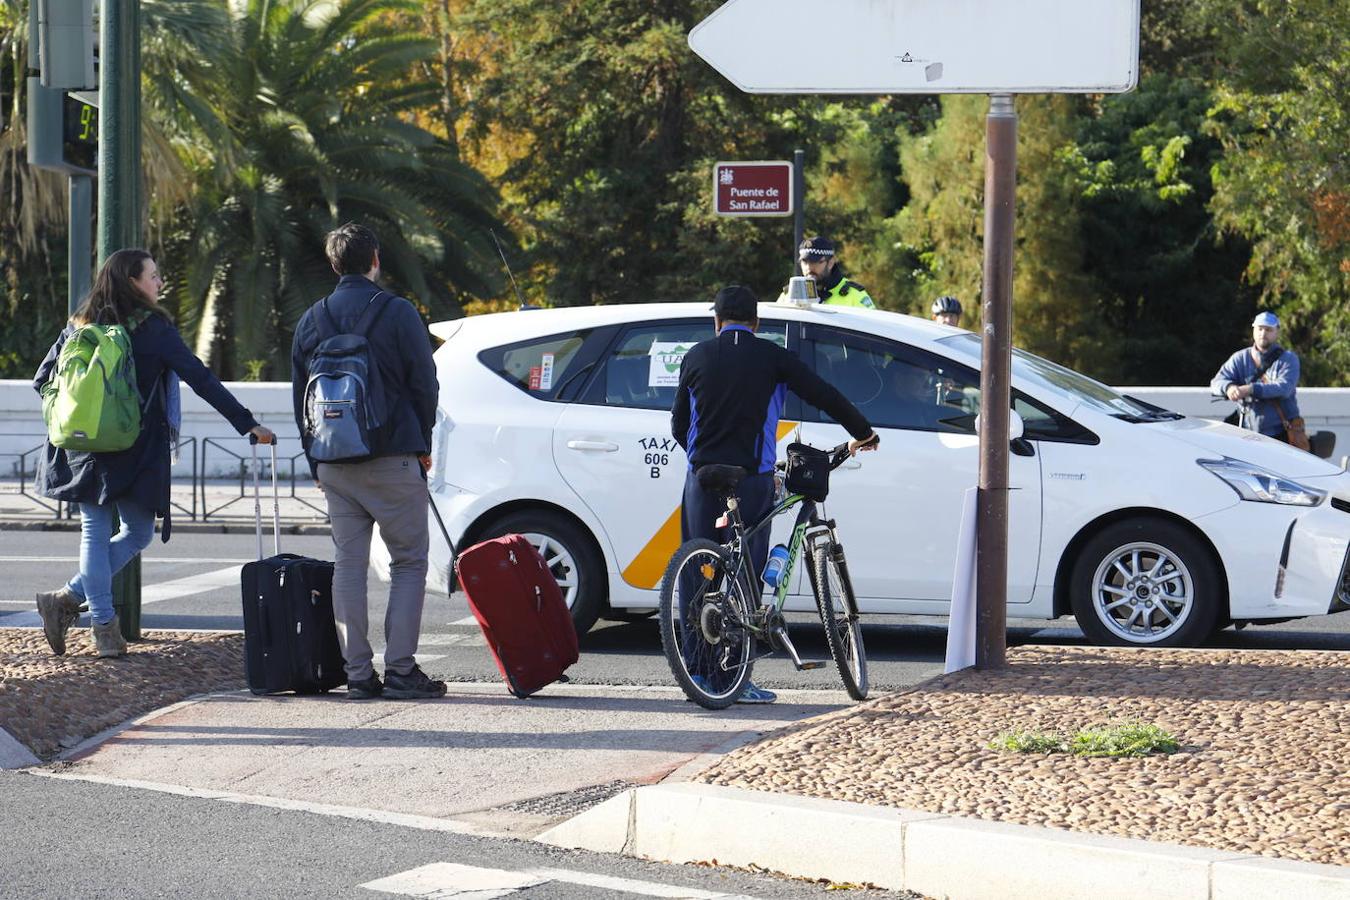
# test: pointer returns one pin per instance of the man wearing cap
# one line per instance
(731, 395)
(1264, 378)
(818, 261)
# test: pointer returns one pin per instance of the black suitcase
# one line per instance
(290, 638)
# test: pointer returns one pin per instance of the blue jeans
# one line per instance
(102, 555)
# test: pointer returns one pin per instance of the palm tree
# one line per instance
(306, 121)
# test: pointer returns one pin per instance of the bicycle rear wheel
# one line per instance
(839, 614)
(703, 614)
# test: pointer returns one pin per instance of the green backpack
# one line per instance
(91, 403)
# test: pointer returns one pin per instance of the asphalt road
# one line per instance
(192, 582)
(112, 841)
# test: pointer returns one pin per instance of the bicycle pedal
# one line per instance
(806, 664)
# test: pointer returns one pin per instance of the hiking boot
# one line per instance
(413, 686)
(59, 610)
(365, 689)
(108, 640)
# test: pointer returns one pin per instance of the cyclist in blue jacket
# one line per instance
(731, 395)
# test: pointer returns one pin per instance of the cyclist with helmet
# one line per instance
(947, 310)
(817, 260)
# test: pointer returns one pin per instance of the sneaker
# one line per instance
(753, 693)
(413, 686)
(365, 689)
(59, 610)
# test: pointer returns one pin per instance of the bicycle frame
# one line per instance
(808, 519)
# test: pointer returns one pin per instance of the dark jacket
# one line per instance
(140, 474)
(731, 395)
(399, 346)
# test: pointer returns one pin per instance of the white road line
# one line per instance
(403, 820)
(467, 620)
(151, 593)
(193, 584)
(151, 560)
(443, 881)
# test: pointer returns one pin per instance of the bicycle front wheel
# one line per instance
(839, 614)
(703, 616)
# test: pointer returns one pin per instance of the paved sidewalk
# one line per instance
(902, 791)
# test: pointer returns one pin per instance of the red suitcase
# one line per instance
(516, 600)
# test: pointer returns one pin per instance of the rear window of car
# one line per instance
(540, 367)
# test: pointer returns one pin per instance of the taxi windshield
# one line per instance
(1066, 382)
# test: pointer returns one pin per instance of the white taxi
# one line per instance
(1149, 527)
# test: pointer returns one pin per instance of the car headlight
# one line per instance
(1262, 485)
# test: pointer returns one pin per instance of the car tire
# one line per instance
(572, 554)
(1146, 582)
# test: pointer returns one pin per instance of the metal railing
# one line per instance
(241, 464)
(189, 475)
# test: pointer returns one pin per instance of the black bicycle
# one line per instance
(712, 620)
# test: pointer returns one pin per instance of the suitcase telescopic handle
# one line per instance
(257, 498)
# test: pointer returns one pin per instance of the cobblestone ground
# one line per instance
(1265, 741)
(51, 703)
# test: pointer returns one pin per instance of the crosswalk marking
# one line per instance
(145, 560)
(152, 593)
(454, 881)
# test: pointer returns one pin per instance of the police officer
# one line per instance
(731, 394)
(817, 260)
(947, 310)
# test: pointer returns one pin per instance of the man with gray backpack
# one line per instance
(365, 392)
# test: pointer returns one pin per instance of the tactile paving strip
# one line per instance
(569, 803)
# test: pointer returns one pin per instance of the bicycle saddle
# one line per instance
(720, 479)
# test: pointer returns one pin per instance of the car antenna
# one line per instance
(509, 273)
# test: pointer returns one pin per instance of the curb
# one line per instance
(929, 853)
(13, 754)
(178, 527)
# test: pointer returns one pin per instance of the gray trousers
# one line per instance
(390, 492)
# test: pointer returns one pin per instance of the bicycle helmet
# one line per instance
(946, 305)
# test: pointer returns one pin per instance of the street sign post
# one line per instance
(753, 189)
(990, 47)
(924, 46)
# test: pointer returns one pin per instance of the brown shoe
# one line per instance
(59, 610)
(108, 640)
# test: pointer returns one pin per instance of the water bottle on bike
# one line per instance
(777, 564)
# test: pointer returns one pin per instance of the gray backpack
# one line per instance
(344, 399)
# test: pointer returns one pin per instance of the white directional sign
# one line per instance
(923, 46)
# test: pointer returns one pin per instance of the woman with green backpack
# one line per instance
(109, 389)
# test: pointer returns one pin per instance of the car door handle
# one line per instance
(605, 446)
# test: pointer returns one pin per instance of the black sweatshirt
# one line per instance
(731, 394)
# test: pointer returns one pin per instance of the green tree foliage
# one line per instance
(1165, 285)
(303, 123)
(611, 128)
(1283, 117)
(942, 226)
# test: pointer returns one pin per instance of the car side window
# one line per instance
(541, 366)
(896, 386)
(642, 368)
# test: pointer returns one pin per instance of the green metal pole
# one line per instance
(119, 197)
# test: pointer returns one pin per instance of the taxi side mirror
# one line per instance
(1016, 427)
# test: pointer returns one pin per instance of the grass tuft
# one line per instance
(1028, 742)
(1132, 739)
(1129, 740)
